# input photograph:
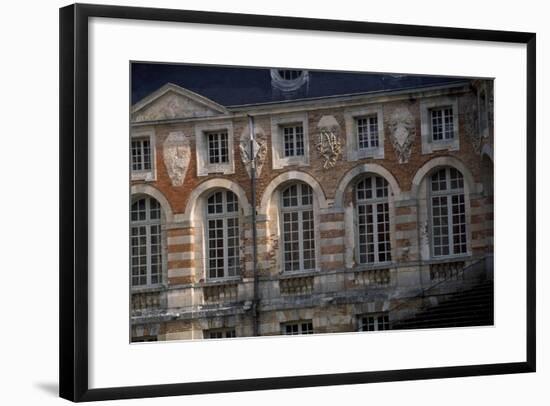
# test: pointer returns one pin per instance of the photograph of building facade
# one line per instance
(274, 201)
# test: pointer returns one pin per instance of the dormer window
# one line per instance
(289, 74)
(288, 80)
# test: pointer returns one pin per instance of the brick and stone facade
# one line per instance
(186, 303)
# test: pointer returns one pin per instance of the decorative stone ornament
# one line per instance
(402, 133)
(471, 123)
(260, 149)
(328, 144)
(176, 153)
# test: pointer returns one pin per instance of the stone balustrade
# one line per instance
(221, 292)
(447, 271)
(296, 285)
(373, 277)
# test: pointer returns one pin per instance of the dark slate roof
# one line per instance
(231, 86)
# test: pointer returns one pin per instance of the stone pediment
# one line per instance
(174, 102)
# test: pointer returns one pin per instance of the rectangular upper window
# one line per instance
(289, 140)
(293, 140)
(297, 328)
(141, 154)
(218, 147)
(439, 124)
(442, 123)
(374, 322)
(364, 132)
(367, 132)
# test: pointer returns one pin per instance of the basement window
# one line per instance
(374, 322)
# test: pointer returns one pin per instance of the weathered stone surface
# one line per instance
(260, 149)
(329, 144)
(177, 155)
(402, 133)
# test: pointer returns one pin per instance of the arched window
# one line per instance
(448, 213)
(373, 220)
(222, 235)
(297, 224)
(146, 242)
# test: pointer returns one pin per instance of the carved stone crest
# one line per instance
(260, 149)
(328, 143)
(176, 154)
(402, 133)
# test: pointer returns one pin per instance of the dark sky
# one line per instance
(237, 85)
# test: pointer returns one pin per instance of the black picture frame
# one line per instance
(74, 195)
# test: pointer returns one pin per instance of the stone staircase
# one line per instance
(472, 307)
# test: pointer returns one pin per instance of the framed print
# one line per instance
(257, 202)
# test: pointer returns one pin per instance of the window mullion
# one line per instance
(148, 241)
(301, 237)
(225, 234)
(140, 156)
(449, 210)
(225, 250)
(450, 222)
(294, 144)
(375, 231)
(358, 233)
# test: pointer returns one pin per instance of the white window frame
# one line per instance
(204, 167)
(224, 217)
(148, 175)
(373, 201)
(351, 117)
(426, 107)
(148, 223)
(294, 141)
(300, 209)
(448, 193)
(300, 330)
(277, 140)
(376, 324)
(219, 135)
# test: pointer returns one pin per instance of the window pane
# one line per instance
(218, 147)
(373, 226)
(140, 154)
(146, 242)
(448, 213)
(442, 123)
(223, 236)
(297, 224)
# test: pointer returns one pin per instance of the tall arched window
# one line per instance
(373, 220)
(448, 213)
(222, 235)
(298, 227)
(146, 242)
